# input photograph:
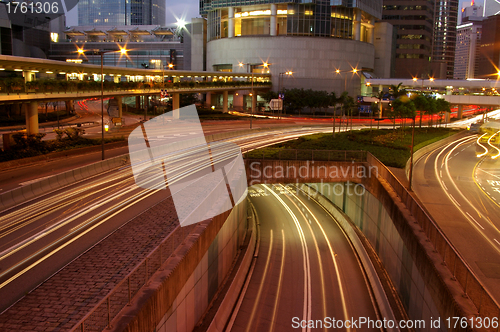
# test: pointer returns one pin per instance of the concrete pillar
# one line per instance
(28, 76)
(230, 25)
(31, 117)
(146, 102)
(137, 102)
(69, 105)
(224, 101)
(274, 12)
(449, 91)
(254, 102)
(357, 24)
(460, 112)
(119, 103)
(208, 99)
(16, 109)
(371, 31)
(446, 117)
(175, 105)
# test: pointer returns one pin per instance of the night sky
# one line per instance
(189, 9)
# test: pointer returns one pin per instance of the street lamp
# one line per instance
(249, 66)
(123, 51)
(281, 84)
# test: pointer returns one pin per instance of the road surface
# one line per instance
(306, 269)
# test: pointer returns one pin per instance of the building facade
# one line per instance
(444, 37)
(147, 46)
(325, 44)
(488, 58)
(119, 13)
(468, 42)
(426, 36)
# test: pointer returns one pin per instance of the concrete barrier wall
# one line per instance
(368, 214)
(293, 171)
(22, 194)
(177, 297)
(201, 286)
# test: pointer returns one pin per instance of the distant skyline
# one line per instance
(188, 9)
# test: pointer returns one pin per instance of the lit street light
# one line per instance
(123, 51)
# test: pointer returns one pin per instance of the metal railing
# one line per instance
(461, 271)
(312, 155)
(100, 317)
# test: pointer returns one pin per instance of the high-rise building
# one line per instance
(444, 37)
(426, 36)
(121, 12)
(468, 42)
(414, 23)
(488, 58)
(326, 44)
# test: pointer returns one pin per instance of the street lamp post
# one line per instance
(281, 87)
(411, 154)
(123, 51)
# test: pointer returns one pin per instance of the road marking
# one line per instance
(441, 173)
(444, 185)
(333, 255)
(454, 200)
(475, 220)
(496, 241)
(278, 292)
(259, 292)
(306, 263)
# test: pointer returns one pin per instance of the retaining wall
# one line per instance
(176, 297)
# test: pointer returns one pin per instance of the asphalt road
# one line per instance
(41, 236)
(306, 269)
(460, 192)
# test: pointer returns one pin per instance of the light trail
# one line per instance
(479, 143)
(494, 147)
(332, 255)
(306, 314)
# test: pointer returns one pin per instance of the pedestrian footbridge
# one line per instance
(49, 80)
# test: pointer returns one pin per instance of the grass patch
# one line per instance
(391, 147)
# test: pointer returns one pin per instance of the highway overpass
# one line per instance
(457, 92)
(144, 82)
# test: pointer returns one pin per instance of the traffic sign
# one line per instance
(276, 104)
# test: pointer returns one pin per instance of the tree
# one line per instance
(397, 91)
(403, 107)
(333, 102)
(349, 105)
(342, 101)
(269, 95)
(380, 96)
(442, 106)
(421, 104)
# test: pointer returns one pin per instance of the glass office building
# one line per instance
(324, 18)
(121, 12)
(313, 39)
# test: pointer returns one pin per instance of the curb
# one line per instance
(227, 309)
(22, 194)
(54, 155)
(428, 148)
